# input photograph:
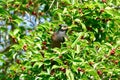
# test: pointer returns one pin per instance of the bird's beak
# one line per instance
(68, 27)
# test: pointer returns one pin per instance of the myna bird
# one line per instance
(58, 37)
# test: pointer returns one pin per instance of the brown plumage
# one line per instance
(58, 37)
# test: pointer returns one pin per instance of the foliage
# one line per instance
(92, 51)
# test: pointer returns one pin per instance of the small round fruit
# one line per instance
(41, 13)
(60, 56)
(44, 47)
(52, 72)
(14, 40)
(27, 5)
(116, 61)
(63, 69)
(44, 42)
(79, 69)
(82, 37)
(104, 1)
(99, 72)
(25, 47)
(18, 61)
(102, 10)
(80, 11)
(34, 13)
(112, 52)
(23, 68)
(91, 63)
(30, 2)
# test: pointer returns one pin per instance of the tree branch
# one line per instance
(5, 49)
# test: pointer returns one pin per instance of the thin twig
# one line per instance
(51, 4)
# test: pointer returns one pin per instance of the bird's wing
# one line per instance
(54, 37)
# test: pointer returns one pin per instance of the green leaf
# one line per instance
(60, 17)
(56, 67)
(83, 26)
(94, 73)
(39, 64)
(77, 39)
(69, 74)
(16, 31)
(78, 49)
(18, 21)
(92, 37)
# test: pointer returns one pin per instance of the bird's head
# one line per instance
(63, 27)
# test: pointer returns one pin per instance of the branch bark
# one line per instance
(7, 48)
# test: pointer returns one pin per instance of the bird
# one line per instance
(59, 36)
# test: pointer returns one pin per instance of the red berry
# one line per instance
(60, 56)
(14, 40)
(116, 61)
(34, 13)
(44, 47)
(30, 2)
(99, 72)
(104, 1)
(44, 42)
(82, 37)
(25, 47)
(27, 5)
(102, 10)
(41, 13)
(23, 68)
(52, 72)
(18, 61)
(80, 11)
(112, 52)
(91, 63)
(79, 69)
(63, 69)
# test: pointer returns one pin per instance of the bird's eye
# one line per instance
(64, 27)
(60, 25)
